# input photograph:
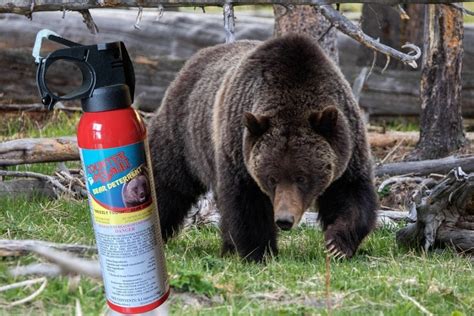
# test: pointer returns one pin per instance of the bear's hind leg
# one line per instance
(247, 223)
(347, 211)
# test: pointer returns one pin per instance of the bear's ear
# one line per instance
(324, 122)
(257, 126)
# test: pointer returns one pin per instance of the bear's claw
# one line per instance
(335, 251)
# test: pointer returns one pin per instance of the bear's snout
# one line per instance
(285, 221)
(287, 205)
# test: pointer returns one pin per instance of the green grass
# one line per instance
(469, 18)
(49, 124)
(400, 124)
(292, 284)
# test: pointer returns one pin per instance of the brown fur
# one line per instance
(269, 127)
(136, 191)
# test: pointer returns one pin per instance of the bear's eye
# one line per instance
(272, 181)
(300, 180)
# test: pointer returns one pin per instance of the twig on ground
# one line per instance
(69, 263)
(328, 284)
(415, 302)
(40, 269)
(28, 174)
(397, 179)
(20, 284)
(78, 308)
(392, 151)
(29, 298)
(21, 247)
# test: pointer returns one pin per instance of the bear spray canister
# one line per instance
(114, 152)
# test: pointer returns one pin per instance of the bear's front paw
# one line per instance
(338, 244)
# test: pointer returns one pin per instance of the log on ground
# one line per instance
(34, 150)
(445, 215)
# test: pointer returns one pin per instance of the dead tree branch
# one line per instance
(25, 7)
(462, 9)
(89, 21)
(350, 29)
(22, 247)
(445, 215)
(68, 263)
(61, 262)
(60, 188)
(63, 184)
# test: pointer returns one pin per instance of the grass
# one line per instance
(292, 284)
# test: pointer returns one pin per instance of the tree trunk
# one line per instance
(441, 120)
(385, 23)
(306, 20)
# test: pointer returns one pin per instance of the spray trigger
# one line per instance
(108, 80)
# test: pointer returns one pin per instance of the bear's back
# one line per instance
(185, 115)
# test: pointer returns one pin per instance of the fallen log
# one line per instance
(33, 150)
(426, 167)
(36, 107)
(444, 215)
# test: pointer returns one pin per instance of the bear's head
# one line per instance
(295, 161)
(136, 191)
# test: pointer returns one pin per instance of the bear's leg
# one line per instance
(347, 211)
(176, 192)
(247, 223)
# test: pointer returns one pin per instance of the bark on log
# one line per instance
(31, 150)
(426, 167)
(441, 129)
(443, 215)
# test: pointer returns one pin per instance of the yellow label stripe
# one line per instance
(107, 217)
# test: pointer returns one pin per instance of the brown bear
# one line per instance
(136, 191)
(269, 127)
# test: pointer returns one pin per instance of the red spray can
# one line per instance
(112, 140)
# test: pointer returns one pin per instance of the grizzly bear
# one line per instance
(270, 128)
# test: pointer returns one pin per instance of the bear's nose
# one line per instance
(285, 222)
